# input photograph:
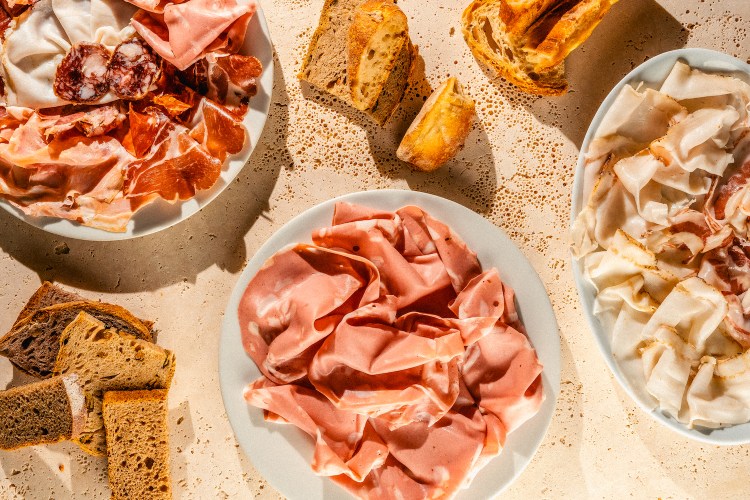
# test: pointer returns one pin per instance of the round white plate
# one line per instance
(653, 72)
(161, 215)
(283, 453)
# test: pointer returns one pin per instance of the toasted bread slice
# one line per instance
(376, 37)
(44, 412)
(326, 64)
(108, 360)
(440, 128)
(138, 444)
(526, 41)
(33, 343)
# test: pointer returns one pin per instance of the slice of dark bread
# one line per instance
(33, 343)
(137, 444)
(47, 295)
(44, 412)
(395, 86)
(108, 360)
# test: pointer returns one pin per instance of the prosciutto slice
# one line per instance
(388, 344)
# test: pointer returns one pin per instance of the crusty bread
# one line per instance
(47, 295)
(440, 128)
(377, 34)
(44, 412)
(138, 444)
(326, 67)
(526, 41)
(33, 343)
(108, 360)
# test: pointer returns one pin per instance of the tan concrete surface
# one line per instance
(517, 170)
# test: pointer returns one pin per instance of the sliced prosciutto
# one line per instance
(388, 344)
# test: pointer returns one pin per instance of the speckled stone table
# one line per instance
(516, 169)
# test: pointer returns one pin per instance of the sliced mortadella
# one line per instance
(375, 369)
(295, 301)
(345, 442)
(503, 373)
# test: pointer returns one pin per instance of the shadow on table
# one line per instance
(469, 178)
(213, 236)
(629, 34)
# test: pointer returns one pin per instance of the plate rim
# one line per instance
(700, 58)
(72, 230)
(552, 361)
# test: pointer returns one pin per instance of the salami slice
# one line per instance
(82, 75)
(133, 70)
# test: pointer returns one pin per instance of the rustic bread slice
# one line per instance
(44, 412)
(325, 65)
(378, 32)
(440, 128)
(526, 41)
(137, 444)
(47, 295)
(108, 360)
(33, 343)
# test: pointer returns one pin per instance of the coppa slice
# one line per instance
(33, 343)
(108, 360)
(138, 450)
(44, 412)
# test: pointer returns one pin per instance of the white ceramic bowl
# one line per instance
(282, 453)
(653, 72)
(161, 215)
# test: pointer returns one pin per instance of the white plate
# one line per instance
(282, 453)
(653, 72)
(161, 215)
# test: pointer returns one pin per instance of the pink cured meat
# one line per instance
(388, 331)
(184, 32)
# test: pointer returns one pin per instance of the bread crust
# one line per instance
(440, 129)
(370, 19)
(526, 41)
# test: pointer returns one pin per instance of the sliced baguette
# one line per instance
(44, 412)
(526, 41)
(440, 128)
(33, 343)
(108, 360)
(137, 444)
(377, 34)
(326, 67)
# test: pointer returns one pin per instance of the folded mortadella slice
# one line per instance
(297, 299)
(184, 32)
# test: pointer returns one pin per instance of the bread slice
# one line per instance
(526, 41)
(44, 412)
(108, 360)
(378, 32)
(33, 343)
(440, 128)
(47, 295)
(326, 67)
(138, 444)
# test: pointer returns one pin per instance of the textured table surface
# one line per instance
(516, 169)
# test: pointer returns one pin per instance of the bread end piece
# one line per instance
(137, 430)
(440, 129)
(375, 38)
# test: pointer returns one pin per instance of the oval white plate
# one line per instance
(282, 453)
(653, 72)
(161, 215)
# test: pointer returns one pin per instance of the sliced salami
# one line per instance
(133, 70)
(82, 75)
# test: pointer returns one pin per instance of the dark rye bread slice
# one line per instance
(33, 343)
(108, 360)
(137, 444)
(44, 412)
(47, 295)
(326, 64)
